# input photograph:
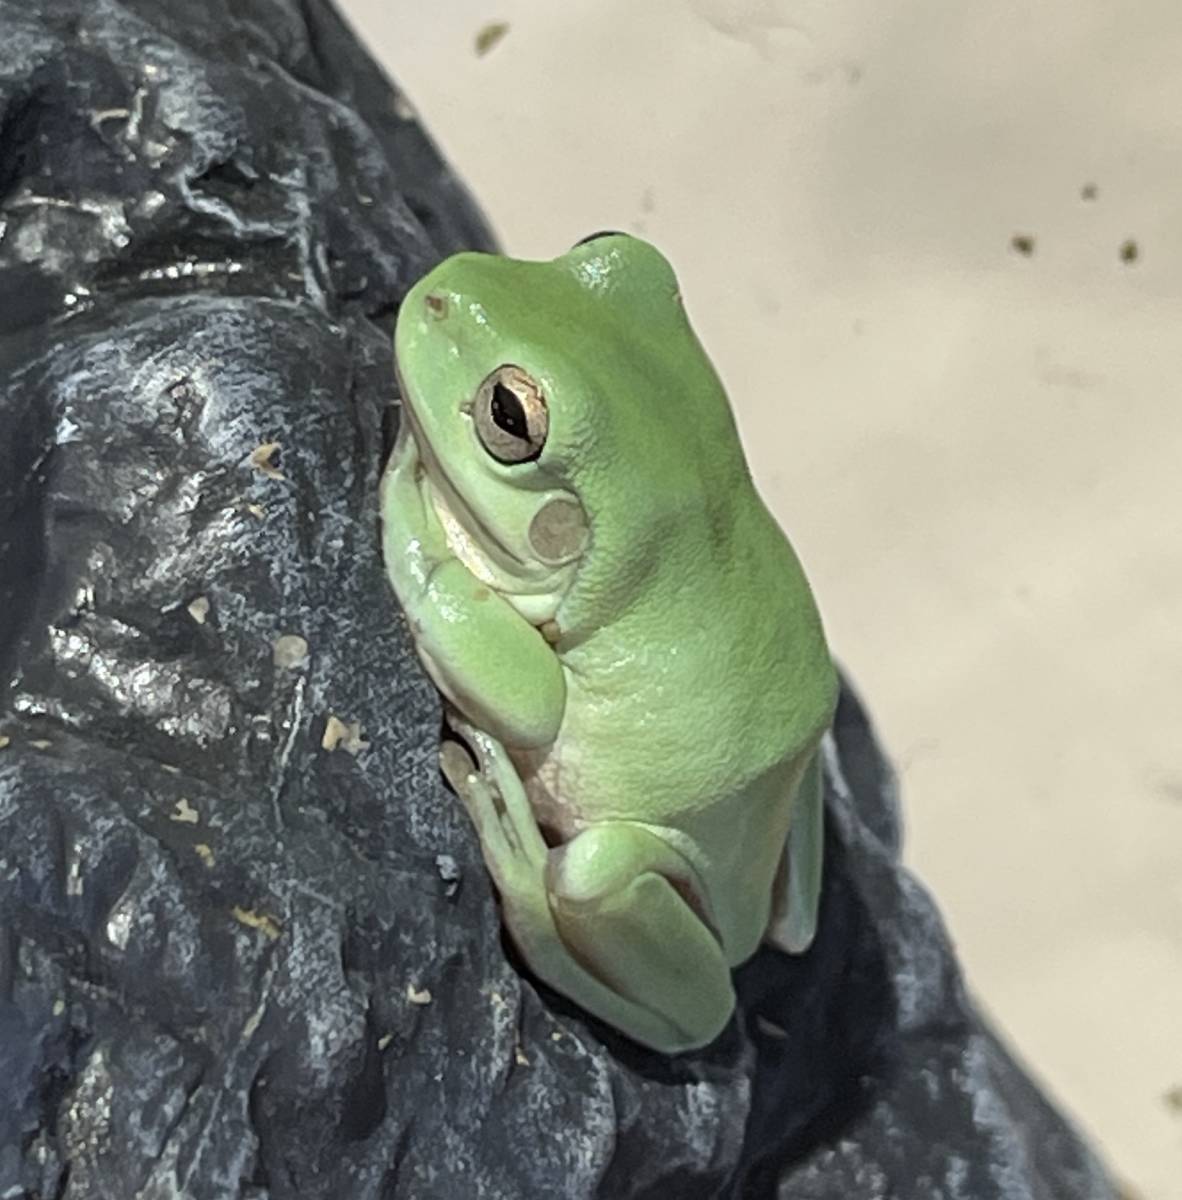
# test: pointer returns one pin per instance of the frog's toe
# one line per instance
(485, 781)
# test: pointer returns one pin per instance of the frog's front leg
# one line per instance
(599, 918)
(490, 662)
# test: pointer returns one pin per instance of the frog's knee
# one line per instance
(607, 858)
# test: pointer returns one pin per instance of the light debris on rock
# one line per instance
(185, 813)
(347, 735)
(261, 459)
(449, 872)
(255, 920)
(289, 650)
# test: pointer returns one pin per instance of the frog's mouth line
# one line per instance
(440, 492)
(471, 539)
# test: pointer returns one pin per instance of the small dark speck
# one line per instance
(1089, 191)
(1168, 786)
(1129, 251)
(1173, 1100)
(489, 36)
(1023, 243)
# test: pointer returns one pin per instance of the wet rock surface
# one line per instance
(247, 945)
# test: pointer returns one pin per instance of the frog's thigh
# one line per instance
(491, 663)
(618, 913)
(644, 963)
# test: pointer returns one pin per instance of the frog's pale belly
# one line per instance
(555, 781)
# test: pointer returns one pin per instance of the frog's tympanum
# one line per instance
(624, 637)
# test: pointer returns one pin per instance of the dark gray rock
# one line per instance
(235, 962)
(920, 1100)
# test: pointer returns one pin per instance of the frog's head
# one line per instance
(563, 409)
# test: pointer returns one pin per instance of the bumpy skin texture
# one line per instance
(652, 678)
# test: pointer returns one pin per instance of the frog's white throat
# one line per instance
(534, 588)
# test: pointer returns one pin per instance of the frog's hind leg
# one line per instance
(618, 896)
(601, 918)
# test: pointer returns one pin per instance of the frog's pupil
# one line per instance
(508, 413)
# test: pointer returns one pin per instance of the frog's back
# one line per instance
(698, 679)
(721, 647)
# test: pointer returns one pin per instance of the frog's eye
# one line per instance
(510, 414)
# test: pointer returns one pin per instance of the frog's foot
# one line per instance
(600, 919)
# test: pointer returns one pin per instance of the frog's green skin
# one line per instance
(635, 657)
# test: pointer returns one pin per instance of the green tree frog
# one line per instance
(625, 638)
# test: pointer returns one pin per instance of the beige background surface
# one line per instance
(977, 452)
